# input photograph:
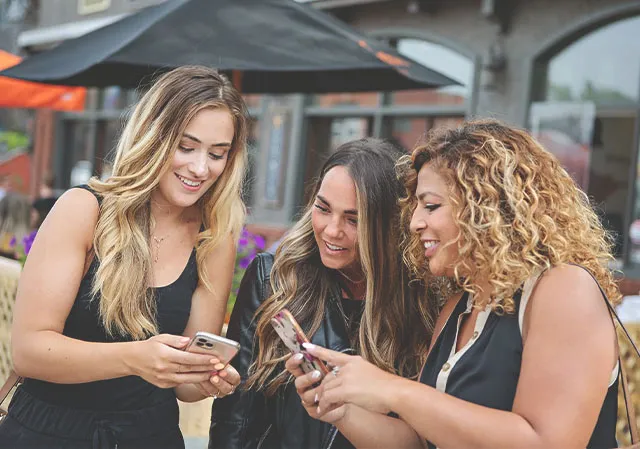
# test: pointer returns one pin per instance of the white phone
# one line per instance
(214, 345)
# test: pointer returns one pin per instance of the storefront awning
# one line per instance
(58, 33)
(23, 94)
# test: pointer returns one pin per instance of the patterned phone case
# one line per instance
(292, 335)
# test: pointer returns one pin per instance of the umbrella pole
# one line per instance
(236, 79)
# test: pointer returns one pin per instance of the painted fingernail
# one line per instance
(308, 345)
(215, 380)
(318, 410)
(219, 366)
(316, 399)
(214, 361)
(315, 374)
(213, 373)
(298, 356)
(223, 373)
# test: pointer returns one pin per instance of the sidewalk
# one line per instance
(196, 442)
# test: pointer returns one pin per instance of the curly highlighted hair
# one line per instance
(518, 211)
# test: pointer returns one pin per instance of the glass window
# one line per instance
(611, 77)
(252, 100)
(79, 150)
(324, 135)
(248, 193)
(609, 178)
(406, 131)
(410, 131)
(446, 61)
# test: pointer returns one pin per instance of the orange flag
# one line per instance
(16, 93)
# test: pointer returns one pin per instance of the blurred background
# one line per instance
(569, 70)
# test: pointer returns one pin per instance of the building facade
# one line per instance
(567, 69)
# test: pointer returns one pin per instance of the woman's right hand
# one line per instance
(308, 388)
(161, 361)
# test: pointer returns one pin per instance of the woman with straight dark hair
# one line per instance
(123, 272)
(339, 272)
(524, 351)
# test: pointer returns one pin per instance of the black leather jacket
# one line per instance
(249, 419)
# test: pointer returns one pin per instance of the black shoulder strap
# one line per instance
(612, 310)
(88, 188)
(628, 403)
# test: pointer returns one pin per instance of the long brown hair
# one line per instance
(518, 211)
(396, 325)
(144, 152)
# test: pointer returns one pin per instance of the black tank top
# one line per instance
(84, 323)
(486, 370)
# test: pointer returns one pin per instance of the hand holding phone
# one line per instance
(293, 337)
(219, 347)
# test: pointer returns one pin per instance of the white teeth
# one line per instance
(189, 182)
(428, 245)
(333, 248)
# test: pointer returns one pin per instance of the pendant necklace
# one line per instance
(157, 241)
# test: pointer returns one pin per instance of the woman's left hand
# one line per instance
(354, 381)
(222, 382)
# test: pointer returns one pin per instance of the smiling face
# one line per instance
(335, 219)
(199, 160)
(433, 221)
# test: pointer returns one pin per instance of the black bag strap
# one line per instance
(13, 381)
(628, 403)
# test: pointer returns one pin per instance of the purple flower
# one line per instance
(260, 243)
(244, 263)
(13, 242)
(27, 241)
(243, 242)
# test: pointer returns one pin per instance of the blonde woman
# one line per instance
(124, 271)
(524, 354)
(340, 274)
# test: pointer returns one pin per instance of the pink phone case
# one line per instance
(292, 335)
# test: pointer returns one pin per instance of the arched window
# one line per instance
(598, 74)
(603, 66)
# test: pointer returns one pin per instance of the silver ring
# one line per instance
(215, 395)
(335, 371)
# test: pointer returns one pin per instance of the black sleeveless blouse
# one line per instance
(84, 323)
(486, 370)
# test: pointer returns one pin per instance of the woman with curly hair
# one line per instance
(123, 272)
(524, 350)
(339, 272)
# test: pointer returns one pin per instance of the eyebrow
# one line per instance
(425, 193)
(195, 139)
(348, 212)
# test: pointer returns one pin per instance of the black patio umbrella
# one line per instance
(277, 46)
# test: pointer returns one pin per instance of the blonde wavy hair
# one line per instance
(143, 155)
(396, 325)
(518, 211)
